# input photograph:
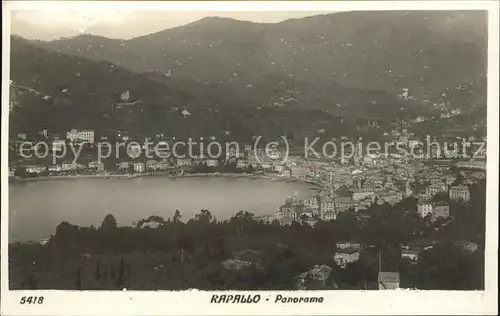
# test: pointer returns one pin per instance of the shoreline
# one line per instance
(166, 175)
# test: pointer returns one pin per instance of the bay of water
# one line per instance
(36, 208)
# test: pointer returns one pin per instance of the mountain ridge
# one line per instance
(59, 92)
(215, 69)
(378, 50)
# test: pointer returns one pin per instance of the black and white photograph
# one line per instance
(267, 156)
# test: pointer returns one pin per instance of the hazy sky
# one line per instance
(50, 24)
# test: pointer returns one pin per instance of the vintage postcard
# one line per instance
(237, 158)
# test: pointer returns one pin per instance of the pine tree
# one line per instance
(98, 270)
(129, 272)
(78, 282)
(31, 282)
(121, 272)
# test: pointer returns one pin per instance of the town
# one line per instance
(351, 185)
(337, 151)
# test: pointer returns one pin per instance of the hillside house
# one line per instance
(441, 210)
(388, 280)
(343, 244)
(459, 192)
(345, 256)
(410, 254)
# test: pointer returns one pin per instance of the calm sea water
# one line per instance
(36, 208)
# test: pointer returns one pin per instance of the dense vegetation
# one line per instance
(384, 50)
(77, 100)
(312, 82)
(182, 255)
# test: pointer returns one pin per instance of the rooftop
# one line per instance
(345, 242)
(330, 212)
(441, 204)
(348, 250)
(345, 200)
(388, 276)
(363, 190)
(286, 220)
(424, 202)
(460, 187)
(464, 243)
(386, 193)
(409, 252)
(436, 185)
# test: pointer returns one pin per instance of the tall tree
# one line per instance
(203, 217)
(177, 216)
(31, 282)
(109, 222)
(78, 281)
(98, 270)
(121, 272)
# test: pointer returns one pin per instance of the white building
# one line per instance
(55, 168)
(58, 145)
(279, 168)
(409, 254)
(68, 166)
(266, 165)
(434, 189)
(299, 172)
(122, 165)
(241, 164)
(184, 162)
(35, 169)
(360, 194)
(327, 204)
(312, 203)
(425, 208)
(139, 167)
(163, 165)
(96, 165)
(345, 256)
(214, 163)
(347, 244)
(152, 165)
(82, 136)
(459, 192)
(328, 216)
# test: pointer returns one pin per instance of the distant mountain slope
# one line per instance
(76, 92)
(59, 92)
(425, 51)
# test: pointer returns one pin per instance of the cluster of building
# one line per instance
(441, 209)
(358, 195)
(83, 136)
(327, 204)
(361, 182)
(349, 252)
(242, 158)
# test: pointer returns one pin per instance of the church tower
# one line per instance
(408, 192)
(331, 184)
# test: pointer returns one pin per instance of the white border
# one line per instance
(335, 302)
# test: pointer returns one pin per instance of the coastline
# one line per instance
(164, 174)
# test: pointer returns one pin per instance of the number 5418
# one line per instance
(31, 300)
